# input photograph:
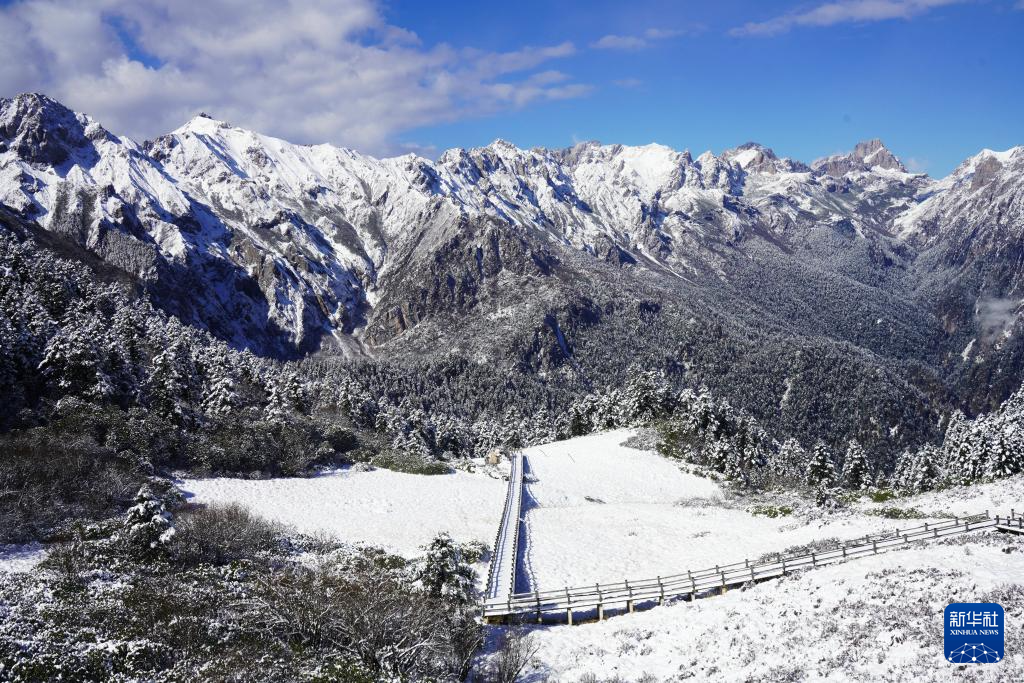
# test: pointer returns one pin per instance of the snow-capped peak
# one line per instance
(202, 123)
(754, 157)
(867, 155)
(315, 226)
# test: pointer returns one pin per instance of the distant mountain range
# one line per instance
(847, 293)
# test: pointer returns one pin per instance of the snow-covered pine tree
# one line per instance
(790, 461)
(221, 396)
(1013, 407)
(903, 468)
(11, 388)
(71, 362)
(969, 455)
(610, 411)
(1007, 453)
(856, 472)
(820, 469)
(147, 525)
(647, 396)
(582, 414)
(542, 428)
(720, 455)
(924, 469)
(278, 406)
(444, 573)
(168, 385)
(741, 460)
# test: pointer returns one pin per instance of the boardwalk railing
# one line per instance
(501, 576)
(719, 578)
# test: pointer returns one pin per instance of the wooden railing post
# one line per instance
(600, 602)
(629, 602)
(536, 594)
(568, 606)
(661, 592)
(693, 586)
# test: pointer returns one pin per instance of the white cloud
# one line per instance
(628, 82)
(639, 42)
(613, 42)
(314, 71)
(840, 12)
(915, 165)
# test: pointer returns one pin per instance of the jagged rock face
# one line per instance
(34, 127)
(288, 249)
(867, 155)
(976, 212)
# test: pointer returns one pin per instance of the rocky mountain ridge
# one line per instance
(290, 249)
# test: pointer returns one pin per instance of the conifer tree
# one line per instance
(820, 470)
(1007, 455)
(856, 472)
(167, 388)
(221, 395)
(790, 461)
(147, 524)
(444, 573)
(969, 457)
(924, 471)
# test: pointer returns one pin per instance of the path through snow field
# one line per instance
(603, 512)
(400, 512)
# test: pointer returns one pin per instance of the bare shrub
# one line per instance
(367, 612)
(515, 650)
(221, 534)
(47, 479)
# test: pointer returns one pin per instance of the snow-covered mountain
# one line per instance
(288, 248)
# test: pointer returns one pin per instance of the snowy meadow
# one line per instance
(598, 510)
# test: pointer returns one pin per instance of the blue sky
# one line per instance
(937, 80)
(936, 87)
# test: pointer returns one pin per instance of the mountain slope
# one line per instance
(743, 271)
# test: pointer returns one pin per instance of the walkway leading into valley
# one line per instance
(501, 577)
(504, 604)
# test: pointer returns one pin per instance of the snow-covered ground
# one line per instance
(599, 511)
(877, 618)
(20, 558)
(398, 511)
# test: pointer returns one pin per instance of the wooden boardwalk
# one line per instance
(592, 601)
(501, 576)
